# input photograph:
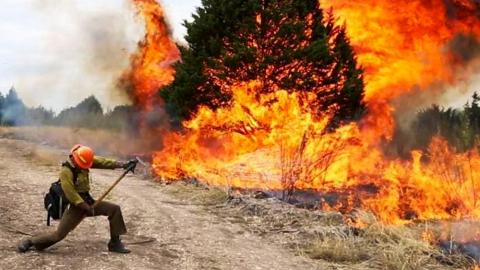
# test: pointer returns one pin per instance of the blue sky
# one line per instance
(56, 52)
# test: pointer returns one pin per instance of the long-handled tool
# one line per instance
(130, 168)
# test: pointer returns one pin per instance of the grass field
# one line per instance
(103, 141)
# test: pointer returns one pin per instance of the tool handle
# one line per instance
(131, 168)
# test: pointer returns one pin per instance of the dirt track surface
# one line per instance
(163, 233)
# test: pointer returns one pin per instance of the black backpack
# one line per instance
(55, 201)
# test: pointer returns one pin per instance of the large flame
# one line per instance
(404, 45)
(151, 67)
(240, 146)
(272, 141)
(257, 145)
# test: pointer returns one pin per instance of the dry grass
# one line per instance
(339, 249)
(44, 156)
(103, 141)
(382, 246)
(197, 194)
(309, 159)
(40, 153)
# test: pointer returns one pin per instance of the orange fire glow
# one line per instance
(402, 45)
(239, 146)
(151, 67)
(256, 145)
(274, 142)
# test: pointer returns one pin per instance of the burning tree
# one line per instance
(284, 44)
(260, 82)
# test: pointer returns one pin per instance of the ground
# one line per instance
(163, 231)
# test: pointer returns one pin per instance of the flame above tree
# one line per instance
(403, 45)
(152, 65)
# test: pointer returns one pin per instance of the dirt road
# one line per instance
(163, 232)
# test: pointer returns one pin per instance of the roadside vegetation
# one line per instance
(379, 246)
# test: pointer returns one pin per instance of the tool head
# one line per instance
(132, 164)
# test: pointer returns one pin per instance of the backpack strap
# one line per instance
(48, 218)
(73, 169)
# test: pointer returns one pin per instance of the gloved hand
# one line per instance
(130, 164)
(86, 208)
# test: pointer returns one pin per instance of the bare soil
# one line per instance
(164, 232)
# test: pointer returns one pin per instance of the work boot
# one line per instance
(116, 245)
(24, 246)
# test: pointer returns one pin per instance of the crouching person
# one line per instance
(75, 183)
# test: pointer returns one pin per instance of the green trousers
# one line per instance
(73, 216)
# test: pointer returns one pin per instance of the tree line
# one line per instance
(459, 126)
(89, 113)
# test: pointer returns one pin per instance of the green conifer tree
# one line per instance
(285, 44)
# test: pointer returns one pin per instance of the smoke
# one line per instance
(86, 48)
(461, 237)
(455, 93)
(460, 9)
(464, 48)
(464, 54)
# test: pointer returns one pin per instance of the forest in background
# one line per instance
(89, 113)
(459, 126)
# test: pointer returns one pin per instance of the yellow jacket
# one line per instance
(82, 184)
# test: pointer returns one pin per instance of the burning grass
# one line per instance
(275, 144)
(317, 234)
(330, 237)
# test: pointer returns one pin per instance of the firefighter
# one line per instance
(75, 182)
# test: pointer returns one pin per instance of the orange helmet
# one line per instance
(82, 156)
